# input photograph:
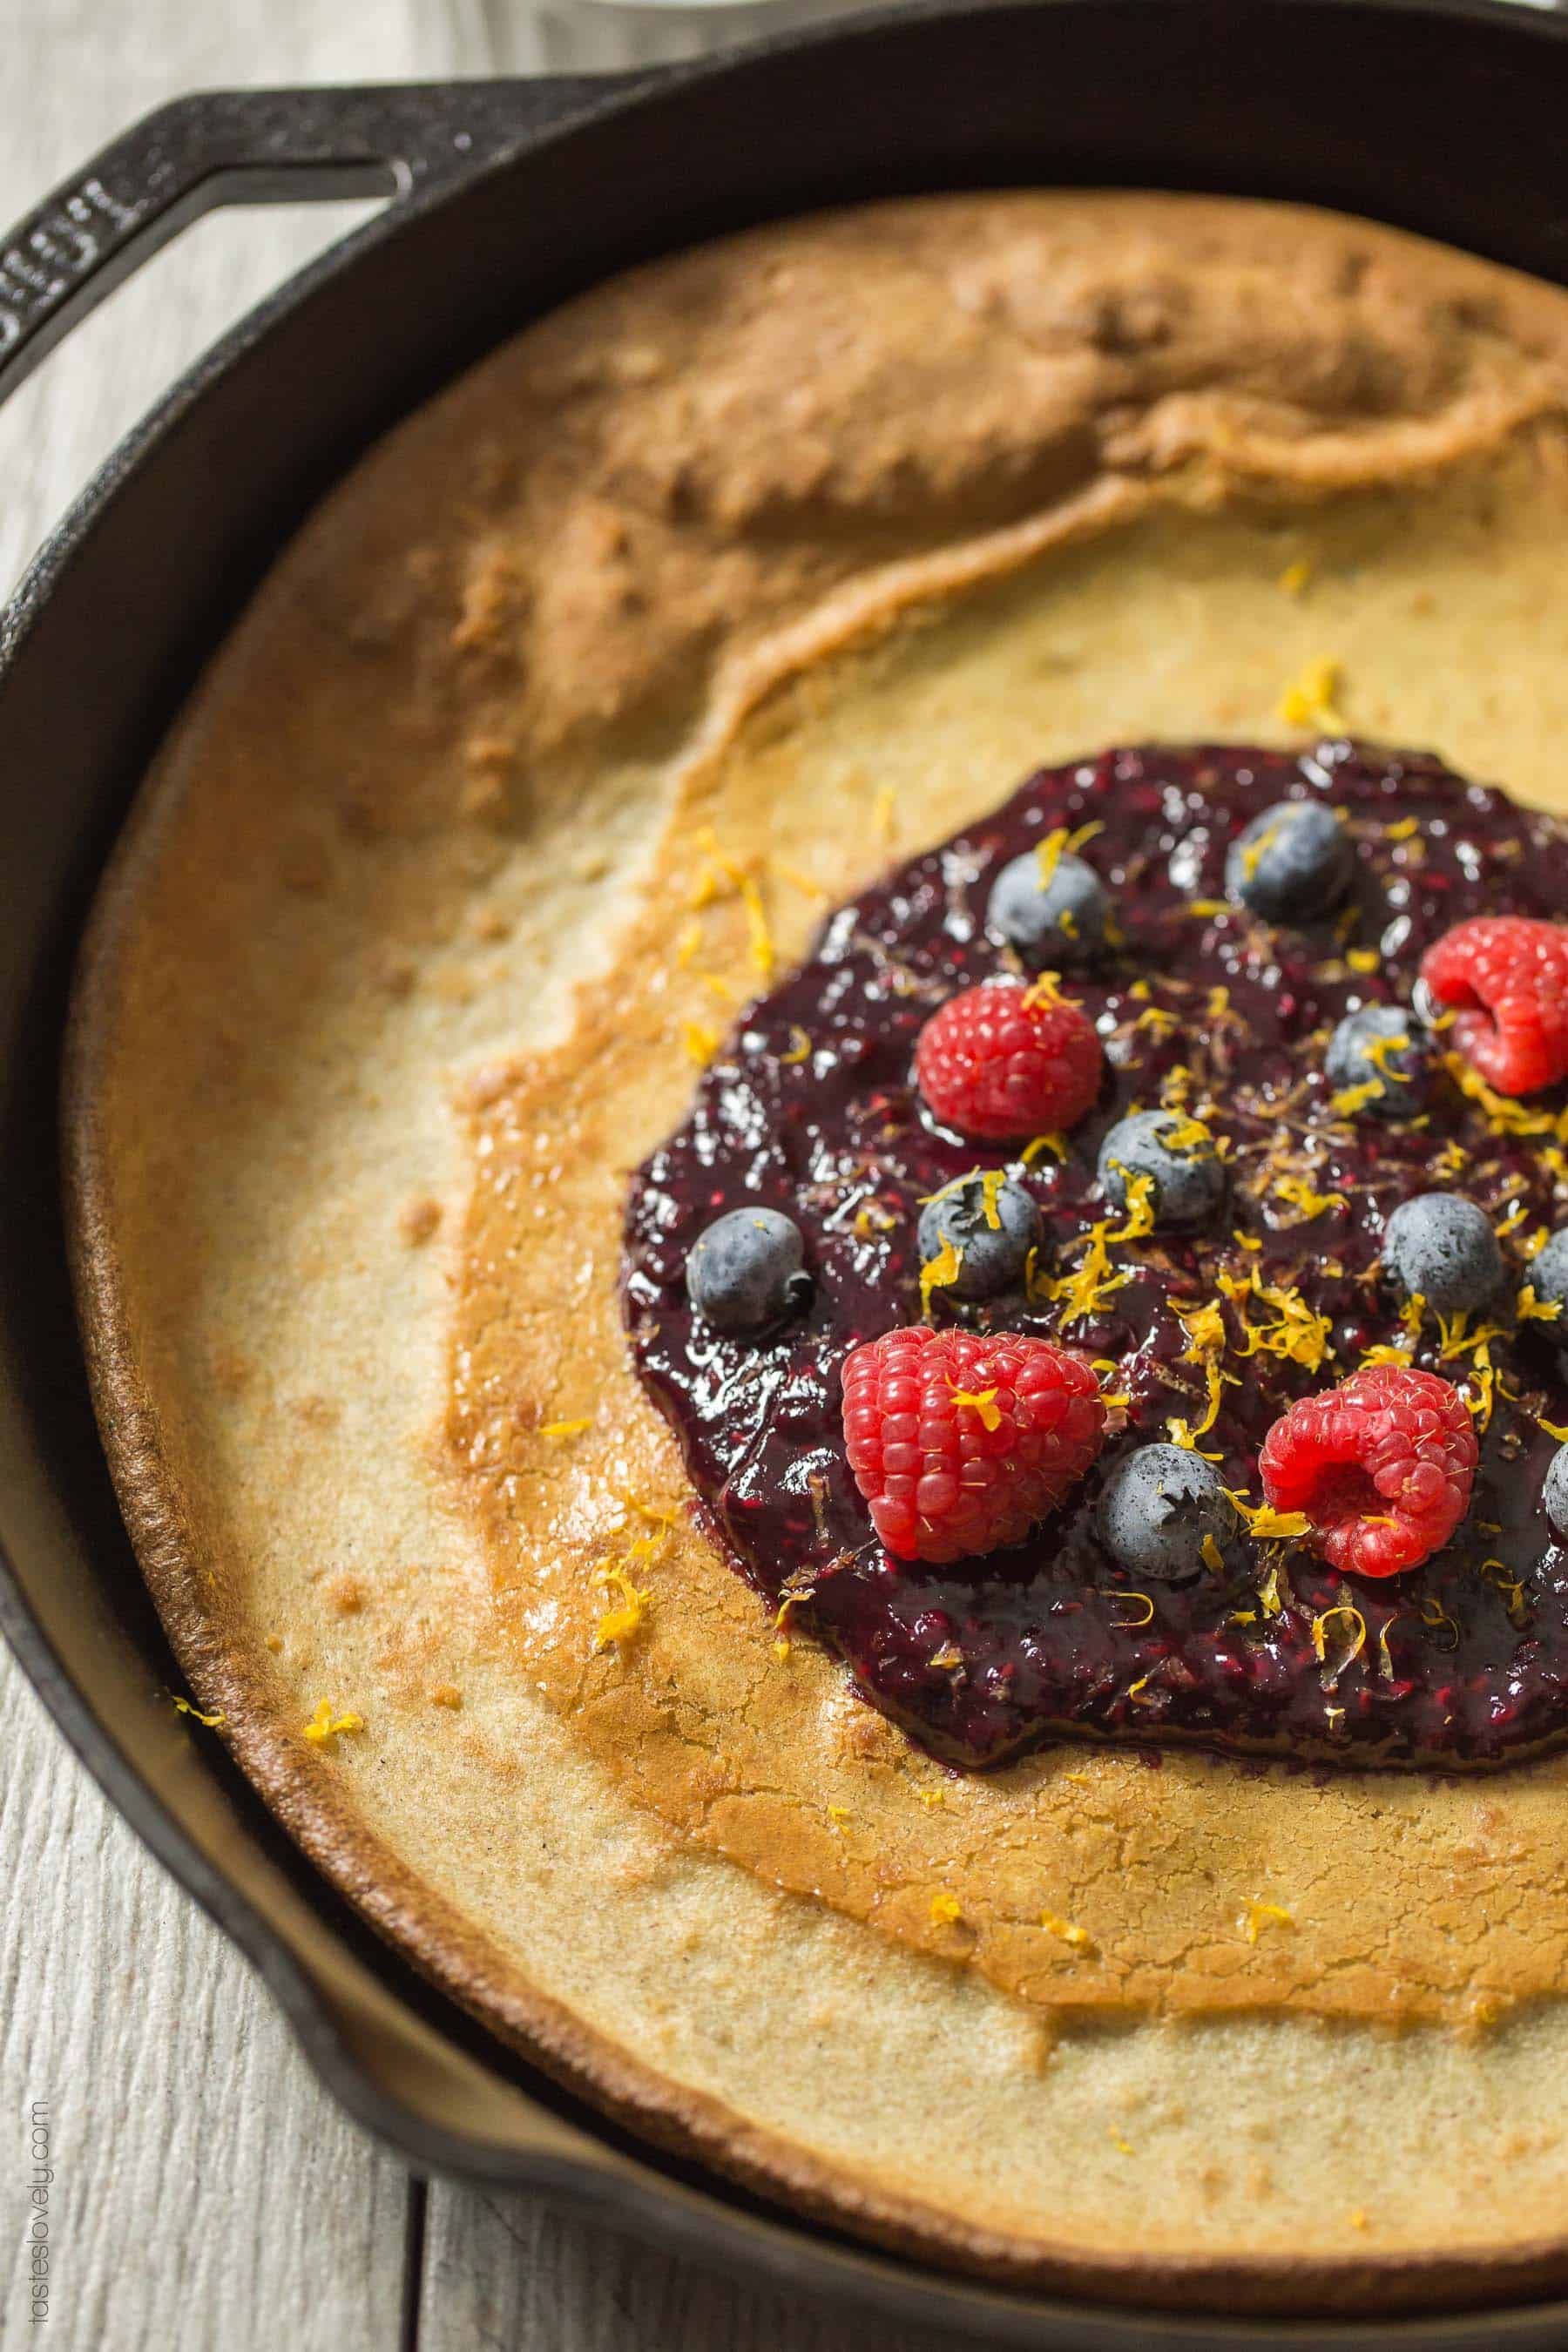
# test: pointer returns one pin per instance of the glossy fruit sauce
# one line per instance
(809, 1109)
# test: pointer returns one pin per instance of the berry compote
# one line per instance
(810, 1109)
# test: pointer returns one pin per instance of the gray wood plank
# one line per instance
(507, 2274)
(204, 2187)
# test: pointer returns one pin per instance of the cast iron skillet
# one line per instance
(507, 196)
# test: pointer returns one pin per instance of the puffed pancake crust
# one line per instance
(778, 560)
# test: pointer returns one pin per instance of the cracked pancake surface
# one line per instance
(385, 1000)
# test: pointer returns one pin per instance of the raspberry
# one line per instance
(960, 1443)
(1003, 1061)
(1507, 978)
(1381, 1465)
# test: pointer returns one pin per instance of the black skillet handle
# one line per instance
(246, 147)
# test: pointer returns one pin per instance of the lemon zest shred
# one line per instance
(566, 1428)
(1185, 1135)
(1299, 1192)
(1138, 1207)
(1256, 1915)
(1211, 1555)
(1048, 854)
(990, 1184)
(1066, 1930)
(698, 1042)
(1295, 577)
(1503, 1113)
(623, 1622)
(946, 1910)
(1133, 1624)
(1457, 1338)
(800, 1046)
(1297, 1336)
(1380, 1051)
(1187, 1435)
(1252, 852)
(838, 1815)
(1320, 1640)
(1510, 1587)
(1266, 1523)
(658, 1514)
(1060, 843)
(187, 1706)
(326, 1723)
(1350, 1100)
(1083, 1292)
(1363, 960)
(1181, 1434)
(763, 953)
(984, 1403)
(799, 881)
(940, 1272)
(1313, 696)
(1122, 2147)
(1434, 1615)
(1056, 1145)
(1204, 1328)
(1483, 1380)
(782, 1646)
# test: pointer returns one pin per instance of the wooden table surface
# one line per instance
(207, 2191)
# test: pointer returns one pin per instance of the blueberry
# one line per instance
(1291, 862)
(1177, 1153)
(1554, 1493)
(1157, 1508)
(995, 1256)
(1400, 1069)
(1442, 1246)
(1059, 920)
(745, 1273)
(1548, 1279)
